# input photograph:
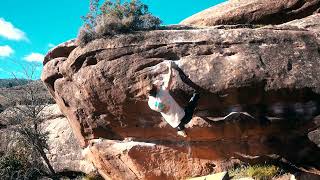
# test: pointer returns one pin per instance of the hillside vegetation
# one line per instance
(8, 83)
(11, 90)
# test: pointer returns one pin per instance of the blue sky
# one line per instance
(28, 29)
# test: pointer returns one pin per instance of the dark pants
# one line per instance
(189, 110)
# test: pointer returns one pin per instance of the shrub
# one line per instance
(15, 165)
(85, 35)
(25, 120)
(261, 172)
(115, 18)
(93, 176)
(108, 26)
(10, 165)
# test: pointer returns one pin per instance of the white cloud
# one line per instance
(34, 57)
(6, 51)
(50, 45)
(8, 31)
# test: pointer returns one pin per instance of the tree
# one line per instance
(25, 117)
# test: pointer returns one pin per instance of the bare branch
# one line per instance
(25, 118)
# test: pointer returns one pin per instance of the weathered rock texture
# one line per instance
(64, 152)
(254, 12)
(264, 71)
(61, 50)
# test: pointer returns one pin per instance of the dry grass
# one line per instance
(259, 172)
(92, 176)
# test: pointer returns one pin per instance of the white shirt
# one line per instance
(167, 106)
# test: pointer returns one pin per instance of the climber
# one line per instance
(161, 101)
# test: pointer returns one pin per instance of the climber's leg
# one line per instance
(189, 110)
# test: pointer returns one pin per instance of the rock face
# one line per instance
(64, 152)
(254, 12)
(61, 50)
(271, 71)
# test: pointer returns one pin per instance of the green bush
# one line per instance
(116, 18)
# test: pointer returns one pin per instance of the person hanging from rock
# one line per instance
(161, 101)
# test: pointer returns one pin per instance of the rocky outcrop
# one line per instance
(61, 50)
(310, 23)
(254, 12)
(64, 152)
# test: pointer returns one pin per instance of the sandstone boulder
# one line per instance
(254, 12)
(310, 23)
(264, 71)
(61, 50)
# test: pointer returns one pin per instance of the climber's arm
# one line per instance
(168, 77)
